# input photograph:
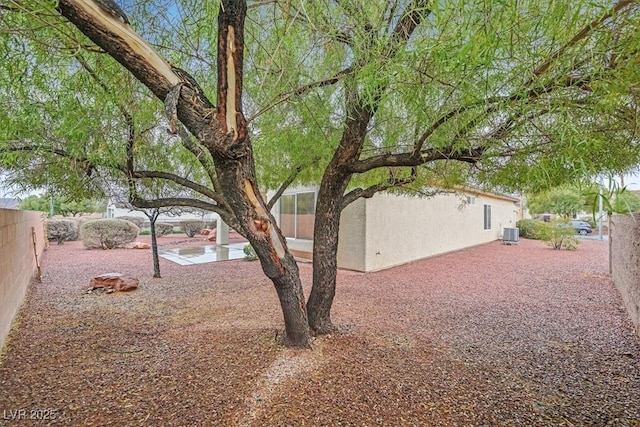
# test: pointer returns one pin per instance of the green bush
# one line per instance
(529, 228)
(62, 230)
(191, 227)
(249, 253)
(137, 220)
(559, 235)
(163, 228)
(108, 233)
(145, 233)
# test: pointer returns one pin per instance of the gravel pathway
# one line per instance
(493, 335)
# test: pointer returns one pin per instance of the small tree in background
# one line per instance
(563, 201)
(191, 227)
(61, 205)
(558, 235)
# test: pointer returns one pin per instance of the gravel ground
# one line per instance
(492, 335)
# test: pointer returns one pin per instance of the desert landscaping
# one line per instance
(491, 335)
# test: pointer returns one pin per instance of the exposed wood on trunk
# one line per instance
(222, 131)
(232, 125)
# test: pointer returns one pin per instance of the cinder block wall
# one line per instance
(17, 261)
(625, 262)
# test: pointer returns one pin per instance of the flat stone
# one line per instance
(139, 245)
(116, 281)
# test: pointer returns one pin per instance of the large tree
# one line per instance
(363, 97)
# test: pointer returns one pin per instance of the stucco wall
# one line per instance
(625, 262)
(17, 261)
(400, 229)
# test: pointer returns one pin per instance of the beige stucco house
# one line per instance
(388, 230)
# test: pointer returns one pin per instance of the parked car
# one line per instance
(582, 227)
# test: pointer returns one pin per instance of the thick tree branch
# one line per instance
(82, 162)
(471, 155)
(185, 202)
(205, 191)
(121, 42)
(369, 192)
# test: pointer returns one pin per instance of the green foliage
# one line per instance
(61, 206)
(563, 201)
(163, 228)
(108, 233)
(529, 228)
(249, 253)
(558, 235)
(145, 233)
(191, 227)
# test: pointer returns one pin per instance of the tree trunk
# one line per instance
(325, 251)
(222, 130)
(255, 222)
(154, 247)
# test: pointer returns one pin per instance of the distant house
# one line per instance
(388, 230)
(9, 203)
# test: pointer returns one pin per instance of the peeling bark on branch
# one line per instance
(222, 131)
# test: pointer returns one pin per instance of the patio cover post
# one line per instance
(222, 233)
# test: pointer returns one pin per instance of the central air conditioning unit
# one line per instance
(511, 236)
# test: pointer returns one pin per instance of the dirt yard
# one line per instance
(493, 335)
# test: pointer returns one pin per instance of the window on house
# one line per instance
(487, 217)
(471, 200)
(297, 214)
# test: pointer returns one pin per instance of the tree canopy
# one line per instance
(358, 97)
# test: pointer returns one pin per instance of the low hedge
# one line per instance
(108, 233)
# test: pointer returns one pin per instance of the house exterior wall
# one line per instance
(389, 230)
(17, 261)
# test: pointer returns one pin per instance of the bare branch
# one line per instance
(302, 90)
(201, 189)
(542, 68)
(369, 192)
(284, 186)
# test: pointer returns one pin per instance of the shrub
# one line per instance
(163, 228)
(559, 235)
(62, 230)
(529, 228)
(249, 253)
(191, 227)
(139, 221)
(145, 233)
(108, 233)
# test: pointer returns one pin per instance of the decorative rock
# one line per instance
(116, 281)
(212, 236)
(205, 231)
(140, 245)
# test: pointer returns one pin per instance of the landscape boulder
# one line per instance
(140, 245)
(115, 281)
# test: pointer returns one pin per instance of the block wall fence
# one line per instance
(18, 267)
(625, 262)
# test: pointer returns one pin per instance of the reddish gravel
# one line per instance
(492, 335)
